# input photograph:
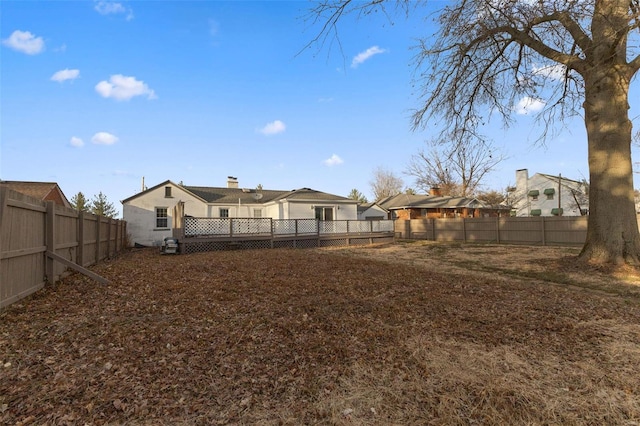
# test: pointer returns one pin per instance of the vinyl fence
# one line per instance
(540, 230)
(33, 233)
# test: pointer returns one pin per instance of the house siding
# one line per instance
(140, 213)
(525, 204)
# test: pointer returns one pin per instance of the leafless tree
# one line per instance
(385, 183)
(492, 197)
(572, 56)
(458, 170)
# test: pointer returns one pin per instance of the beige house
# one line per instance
(549, 195)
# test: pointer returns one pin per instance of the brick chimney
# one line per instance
(435, 191)
(232, 182)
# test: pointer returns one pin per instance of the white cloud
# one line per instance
(77, 142)
(334, 160)
(363, 56)
(65, 74)
(113, 8)
(123, 88)
(25, 42)
(104, 138)
(273, 128)
(529, 104)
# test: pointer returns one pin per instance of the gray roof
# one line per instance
(222, 195)
(232, 195)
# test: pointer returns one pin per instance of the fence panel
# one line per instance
(564, 230)
(333, 226)
(359, 226)
(66, 237)
(30, 227)
(295, 227)
(449, 230)
(251, 226)
(90, 243)
(522, 230)
(196, 226)
(22, 246)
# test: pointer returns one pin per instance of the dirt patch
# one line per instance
(411, 333)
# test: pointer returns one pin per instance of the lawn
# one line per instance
(407, 333)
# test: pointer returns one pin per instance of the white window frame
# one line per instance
(158, 217)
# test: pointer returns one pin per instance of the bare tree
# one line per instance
(385, 183)
(492, 197)
(572, 56)
(457, 170)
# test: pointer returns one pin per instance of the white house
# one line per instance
(371, 211)
(148, 213)
(548, 195)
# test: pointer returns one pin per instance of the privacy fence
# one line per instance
(206, 234)
(39, 240)
(509, 230)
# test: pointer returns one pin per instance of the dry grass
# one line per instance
(410, 333)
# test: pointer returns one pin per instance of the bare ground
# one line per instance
(408, 333)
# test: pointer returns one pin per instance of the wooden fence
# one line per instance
(567, 230)
(38, 238)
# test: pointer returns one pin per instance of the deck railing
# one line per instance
(248, 227)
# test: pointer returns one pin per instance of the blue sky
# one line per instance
(95, 95)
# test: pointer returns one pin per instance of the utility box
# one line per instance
(170, 246)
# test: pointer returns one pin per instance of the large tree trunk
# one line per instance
(612, 234)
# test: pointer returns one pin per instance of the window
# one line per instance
(324, 213)
(162, 217)
(224, 212)
(167, 192)
(549, 193)
(534, 194)
(257, 213)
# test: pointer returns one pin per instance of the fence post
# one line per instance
(50, 240)
(272, 233)
(80, 254)
(464, 229)
(433, 228)
(109, 220)
(544, 240)
(498, 229)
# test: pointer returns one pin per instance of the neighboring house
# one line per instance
(43, 191)
(434, 205)
(371, 211)
(149, 213)
(548, 195)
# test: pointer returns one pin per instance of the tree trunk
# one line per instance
(612, 233)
